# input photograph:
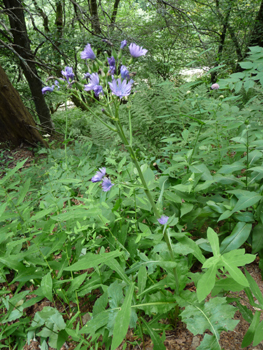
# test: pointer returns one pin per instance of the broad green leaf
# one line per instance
(206, 283)
(77, 212)
(183, 239)
(92, 260)
(257, 238)
(209, 343)
(122, 319)
(46, 285)
(246, 65)
(95, 323)
(62, 337)
(235, 273)
(142, 279)
(249, 336)
(239, 258)
(238, 236)
(42, 213)
(258, 337)
(186, 208)
(157, 341)
(247, 201)
(215, 315)
(213, 240)
(115, 266)
(76, 282)
(230, 168)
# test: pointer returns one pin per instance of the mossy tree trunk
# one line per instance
(16, 123)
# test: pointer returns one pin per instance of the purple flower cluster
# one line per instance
(100, 176)
(68, 73)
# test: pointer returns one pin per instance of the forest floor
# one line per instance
(177, 339)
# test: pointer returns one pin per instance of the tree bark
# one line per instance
(21, 45)
(256, 38)
(16, 123)
(95, 23)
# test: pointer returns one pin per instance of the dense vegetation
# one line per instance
(158, 181)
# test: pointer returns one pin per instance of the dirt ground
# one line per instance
(177, 339)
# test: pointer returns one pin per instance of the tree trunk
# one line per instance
(95, 23)
(14, 9)
(256, 38)
(16, 123)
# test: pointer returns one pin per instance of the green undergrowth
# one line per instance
(102, 255)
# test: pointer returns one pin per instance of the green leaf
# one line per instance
(209, 343)
(249, 336)
(238, 236)
(235, 273)
(213, 240)
(12, 172)
(95, 323)
(115, 266)
(215, 315)
(62, 337)
(122, 319)
(244, 202)
(23, 192)
(230, 168)
(257, 238)
(246, 65)
(258, 337)
(92, 260)
(189, 243)
(206, 283)
(46, 285)
(157, 341)
(142, 279)
(76, 283)
(186, 208)
(75, 213)
(254, 287)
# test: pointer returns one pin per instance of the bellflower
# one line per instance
(68, 73)
(94, 84)
(87, 76)
(123, 44)
(99, 175)
(87, 53)
(163, 220)
(120, 88)
(124, 72)
(111, 61)
(47, 88)
(214, 86)
(106, 184)
(137, 51)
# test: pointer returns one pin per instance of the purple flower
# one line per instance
(163, 219)
(99, 175)
(87, 76)
(120, 88)
(98, 90)
(47, 88)
(123, 44)
(111, 61)
(106, 184)
(57, 84)
(87, 53)
(68, 73)
(111, 70)
(94, 84)
(124, 72)
(137, 51)
(214, 86)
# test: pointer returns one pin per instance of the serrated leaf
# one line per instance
(122, 319)
(92, 260)
(215, 315)
(46, 285)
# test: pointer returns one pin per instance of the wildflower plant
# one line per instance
(108, 84)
